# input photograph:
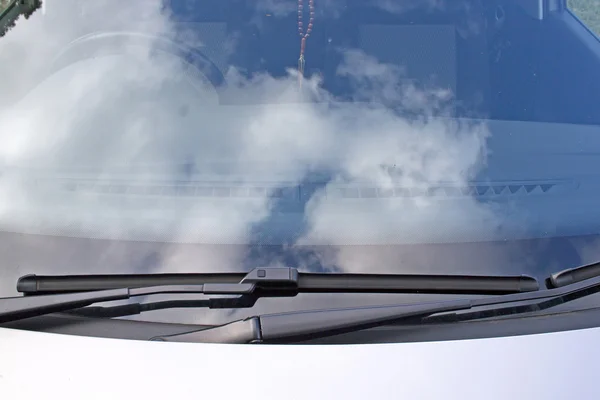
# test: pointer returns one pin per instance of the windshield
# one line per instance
(377, 136)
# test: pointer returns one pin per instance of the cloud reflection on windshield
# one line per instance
(137, 148)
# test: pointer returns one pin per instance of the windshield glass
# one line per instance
(379, 136)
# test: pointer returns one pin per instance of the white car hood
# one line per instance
(52, 366)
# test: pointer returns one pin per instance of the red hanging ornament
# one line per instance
(304, 35)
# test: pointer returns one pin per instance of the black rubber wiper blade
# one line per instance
(299, 326)
(573, 275)
(303, 283)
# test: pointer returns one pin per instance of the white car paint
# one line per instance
(544, 366)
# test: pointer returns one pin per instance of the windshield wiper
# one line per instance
(300, 325)
(289, 278)
(70, 293)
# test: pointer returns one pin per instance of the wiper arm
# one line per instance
(306, 325)
(16, 308)
(267, 282)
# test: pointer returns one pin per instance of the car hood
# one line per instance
(41, 365)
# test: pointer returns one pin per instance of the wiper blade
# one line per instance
(260, 282)
(306, 325)
(300, 281)
(573, 275)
